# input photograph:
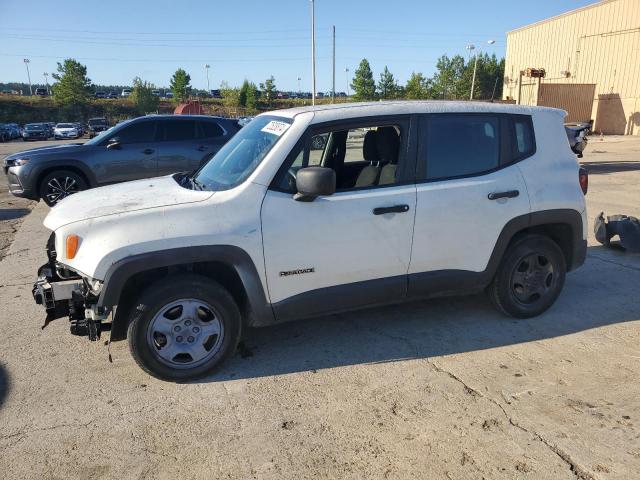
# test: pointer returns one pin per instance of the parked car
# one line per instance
(140, 148)
(100, 95)
(112, 95)
(41, 92)
(36, 131)
(408, 200)
(97, 125)
(15, 130)
(282, 95)
(125, 92)
(66, 130)
(155, 93)
(168, 95)
(5, 133)
(216, 94)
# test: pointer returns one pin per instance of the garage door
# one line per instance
(575, 98)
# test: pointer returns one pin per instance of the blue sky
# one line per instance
(252, 39)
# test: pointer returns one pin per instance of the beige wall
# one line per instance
(598, 44)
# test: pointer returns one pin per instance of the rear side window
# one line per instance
(522, 138)
(179, 130)
(460, 145)
(209, 130)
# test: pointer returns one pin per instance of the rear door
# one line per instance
(177, 148)
(468, 187)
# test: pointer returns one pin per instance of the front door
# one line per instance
(350, 249)
(133, 157)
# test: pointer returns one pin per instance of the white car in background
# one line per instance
(125, 92)
(66, 130)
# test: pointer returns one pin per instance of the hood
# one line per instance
(121, 199)
(65, 129)
(44, 150)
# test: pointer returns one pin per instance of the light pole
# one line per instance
(313, 52)
(26, 64)
(346, 74)
(475, 65)
(46, 81)
(206, 68)
(299, 88)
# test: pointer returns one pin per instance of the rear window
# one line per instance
(461, 145)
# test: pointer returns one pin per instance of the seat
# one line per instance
(387, 146)
(369, 174)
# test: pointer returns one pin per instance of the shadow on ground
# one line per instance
(596, 168)
(4, 384)
(435, 327)
(13, 213)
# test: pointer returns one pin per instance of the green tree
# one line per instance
(452, 79)
(417, 87)
(229, 95)
(73, 86)
(387, 86)
(180, 85)
(363, 84)
(248, 95)
(269, 90)
(142, 96)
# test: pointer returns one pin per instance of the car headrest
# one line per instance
(369, 149)
(387, 144)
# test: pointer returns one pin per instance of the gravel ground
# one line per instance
(440, 389)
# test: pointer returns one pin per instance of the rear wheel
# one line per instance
(183, 327)
(60, 184)
(530, 277)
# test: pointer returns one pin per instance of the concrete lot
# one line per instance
(438, 389)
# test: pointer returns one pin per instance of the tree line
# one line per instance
(451, 81)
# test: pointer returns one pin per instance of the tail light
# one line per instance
(583, 177)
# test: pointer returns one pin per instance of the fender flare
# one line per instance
(259, 310)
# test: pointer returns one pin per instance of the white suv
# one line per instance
(315, 210)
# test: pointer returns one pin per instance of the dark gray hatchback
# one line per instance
(144, 147)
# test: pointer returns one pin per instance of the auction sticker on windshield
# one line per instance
(275, 127)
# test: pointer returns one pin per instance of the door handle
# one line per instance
(148, 151)
(394, 209)
(507, 194)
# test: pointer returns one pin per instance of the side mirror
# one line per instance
(113, 143)
(312, 182)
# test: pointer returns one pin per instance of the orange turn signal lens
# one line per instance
(72, 246)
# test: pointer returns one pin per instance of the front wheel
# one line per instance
(60, 184)
(183, 327)
(530, 277)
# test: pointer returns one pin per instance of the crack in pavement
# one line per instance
(591, 255)
(580, 472)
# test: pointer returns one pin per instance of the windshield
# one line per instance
(242, 154)
(33, 126)
(65, 125)
(97, 121)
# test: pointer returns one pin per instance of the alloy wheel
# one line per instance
(59, 188)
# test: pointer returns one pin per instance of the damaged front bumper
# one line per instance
(65, 294)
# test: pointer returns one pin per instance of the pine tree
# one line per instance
(73, 85)
(387, 86)
(180, 85)
(416, 87)
(364, 86)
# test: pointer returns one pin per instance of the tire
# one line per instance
(60, 184)
(164, 319)
(529, 278)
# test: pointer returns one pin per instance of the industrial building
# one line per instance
(586, 61)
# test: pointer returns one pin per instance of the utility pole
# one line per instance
(299, 88)
(26, 64)
(313, 52)
(46, 81)
(206, 67)
(333, 87)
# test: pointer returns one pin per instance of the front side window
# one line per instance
(139, 132)
(366, 156)
(240, 156)
(460, 145)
